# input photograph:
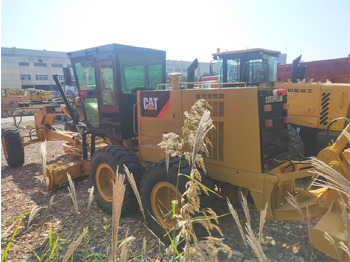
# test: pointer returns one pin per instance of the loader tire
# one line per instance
(102, 172)
(296, 141)
(159, 189)
(12, 146)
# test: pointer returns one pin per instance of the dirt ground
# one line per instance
(23, 188)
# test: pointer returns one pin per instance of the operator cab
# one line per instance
(252, 66)
(107, 80)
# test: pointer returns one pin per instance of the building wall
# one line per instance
(26, 68)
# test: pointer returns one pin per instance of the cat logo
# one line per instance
(150, 103)
(154, 103)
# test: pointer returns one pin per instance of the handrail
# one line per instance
(198, 85)
(134, 119)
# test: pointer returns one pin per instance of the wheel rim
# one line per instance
(162, 195)
(105, 176)
(4, 147)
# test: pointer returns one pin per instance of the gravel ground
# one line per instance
(23, 188)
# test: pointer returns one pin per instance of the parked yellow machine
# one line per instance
(315, 109)
(12, 99)
(37, 96)
(249, 141)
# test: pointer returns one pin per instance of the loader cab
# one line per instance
(252, 66)
(108, 78)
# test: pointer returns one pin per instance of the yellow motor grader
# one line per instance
(127, 111)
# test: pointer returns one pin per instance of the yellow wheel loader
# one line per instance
(126, 112)
(317, 111)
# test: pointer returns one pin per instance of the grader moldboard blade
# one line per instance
(56, 174)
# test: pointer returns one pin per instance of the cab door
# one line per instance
(85, 73)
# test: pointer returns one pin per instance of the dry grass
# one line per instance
(118, 197)
(74, 245)
(134, 188)
(32, 214)
(72, 193)
(254, 240)
(45, 216)
(196, 126)
(91, 197)
(43, 162)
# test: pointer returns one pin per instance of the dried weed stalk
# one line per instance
(72, 193)
(32, 214)
(43, 162)
(250, 237)
(134, 188)
(191, 146)
(45, 216)
(91, 196)
(125, 246)
(118, 197)
(74, 245)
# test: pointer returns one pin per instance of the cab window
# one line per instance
(91, 110)
(155, 75)
(86, 75)
(108, 94)
(3, 93)
(134, 78)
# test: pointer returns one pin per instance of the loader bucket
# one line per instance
(330, 231)
(56, 174)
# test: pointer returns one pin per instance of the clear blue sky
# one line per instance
(186, 29)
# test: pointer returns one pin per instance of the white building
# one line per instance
(26, 68)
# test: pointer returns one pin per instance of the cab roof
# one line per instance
(114, 48)
(247, 51)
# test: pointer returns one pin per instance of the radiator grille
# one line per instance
(216, 135)
(325, 101)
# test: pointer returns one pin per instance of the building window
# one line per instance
(60, 77)
(41, 77)
(25, 77)
(23, 63)
(40, 64)
(56, 65)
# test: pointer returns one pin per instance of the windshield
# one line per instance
(3, 93)
(272, 61)
(140, 73)
(86, 75)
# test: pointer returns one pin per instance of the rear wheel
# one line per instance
(12, 146)
(159, 189)
(296, 142)
(102, 174)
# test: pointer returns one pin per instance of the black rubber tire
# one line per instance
(115, 156)
(296, 141)
(12, 144)
(157, 173)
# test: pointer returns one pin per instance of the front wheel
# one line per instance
(102, 174)
(12, 146)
